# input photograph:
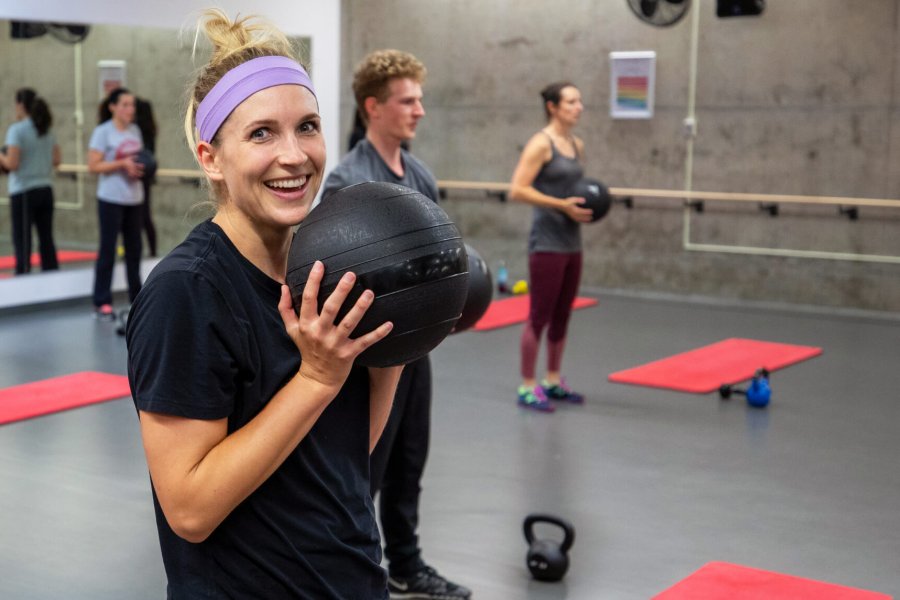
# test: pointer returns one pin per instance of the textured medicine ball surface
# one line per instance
(480, 292)
(146, 158)
(596, 196)
(404, 248)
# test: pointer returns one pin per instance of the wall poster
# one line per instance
(632, 81)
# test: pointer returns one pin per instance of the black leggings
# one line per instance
(33, 208)
(113, 219)
(397, 464)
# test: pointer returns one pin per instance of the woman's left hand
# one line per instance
(575, 211)
(133, 169)
(326, 347)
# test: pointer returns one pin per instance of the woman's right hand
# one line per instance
(575, 211)
(326, 348)
(133, 169)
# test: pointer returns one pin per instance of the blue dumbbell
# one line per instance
(758, 394)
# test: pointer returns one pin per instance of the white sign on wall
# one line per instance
(112, 76)
(631, 86)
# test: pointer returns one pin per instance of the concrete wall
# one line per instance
(158, 67)
(801, 100)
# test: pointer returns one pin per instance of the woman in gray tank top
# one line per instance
(548, 168)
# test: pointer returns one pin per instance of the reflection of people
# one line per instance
(358, 132)
(112, 149)
(143, 118)
(388, 89)
(256, 425)
(30, 156)
(549, 166)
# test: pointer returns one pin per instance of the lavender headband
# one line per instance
(242, 82)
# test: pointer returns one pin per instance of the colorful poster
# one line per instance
(632, 79)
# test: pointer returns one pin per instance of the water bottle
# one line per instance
(502, 278)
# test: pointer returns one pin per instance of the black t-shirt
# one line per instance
(206, 341)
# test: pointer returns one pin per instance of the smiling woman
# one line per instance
(256, 425)
(275, 137)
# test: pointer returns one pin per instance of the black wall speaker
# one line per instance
(739, 8)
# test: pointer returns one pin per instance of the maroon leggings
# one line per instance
(554, 283)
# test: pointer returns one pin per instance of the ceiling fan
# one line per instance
(64, 32)
(68, 33)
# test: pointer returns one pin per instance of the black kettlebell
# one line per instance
(547, 560)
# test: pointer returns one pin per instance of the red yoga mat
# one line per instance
(510, 311)
(724, 581)
(63, 256)
(60, 393)
(703, 370)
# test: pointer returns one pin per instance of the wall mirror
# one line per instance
(69, 67)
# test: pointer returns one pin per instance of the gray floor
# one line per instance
(657, 483)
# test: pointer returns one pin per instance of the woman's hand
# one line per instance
(9, 159)
(132, 168)
(326, 348)
(574, 210)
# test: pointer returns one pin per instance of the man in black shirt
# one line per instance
(388, 89)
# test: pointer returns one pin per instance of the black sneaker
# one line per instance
(426, 585)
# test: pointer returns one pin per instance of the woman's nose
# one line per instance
(293, 151)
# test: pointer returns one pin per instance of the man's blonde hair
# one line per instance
(374, 74)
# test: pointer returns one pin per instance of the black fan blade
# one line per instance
(648, 7)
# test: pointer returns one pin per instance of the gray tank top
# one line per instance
(552, 230)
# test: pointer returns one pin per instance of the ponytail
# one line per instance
(41, 116)
(36, 108)
(234, 42)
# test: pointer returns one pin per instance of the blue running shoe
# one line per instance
(534, 398)
(561, 391)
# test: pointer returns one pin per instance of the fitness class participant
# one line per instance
(256, 425)
(549, 166)
(387, 85)
(31, 155)
(113, 146)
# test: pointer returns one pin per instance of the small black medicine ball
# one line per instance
(146, 158)
(596, 196)
(400, 245)
(480, 293)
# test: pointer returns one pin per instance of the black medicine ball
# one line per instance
(400, 245)
(146, 158)
(596, 196)
(480, 292)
